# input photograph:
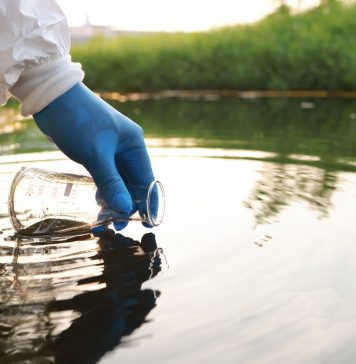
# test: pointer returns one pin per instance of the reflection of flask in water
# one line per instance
(37, 195)
(87, 295)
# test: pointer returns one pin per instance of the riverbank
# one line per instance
(314, 50)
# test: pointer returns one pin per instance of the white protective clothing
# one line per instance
(35, 65)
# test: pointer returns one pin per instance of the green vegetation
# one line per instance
(309, 51)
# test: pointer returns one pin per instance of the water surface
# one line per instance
(254, 261)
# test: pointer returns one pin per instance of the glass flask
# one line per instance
(38, 195)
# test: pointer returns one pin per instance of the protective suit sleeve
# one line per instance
(35, 65)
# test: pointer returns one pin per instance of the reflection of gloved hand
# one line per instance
(109, 145)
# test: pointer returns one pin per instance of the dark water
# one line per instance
(74, 299)
(259, 237)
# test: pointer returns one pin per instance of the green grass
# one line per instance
(310, 51)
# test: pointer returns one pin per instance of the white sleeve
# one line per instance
(35, 65)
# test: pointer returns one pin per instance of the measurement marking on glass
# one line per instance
(68, 189)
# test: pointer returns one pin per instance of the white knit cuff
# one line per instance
(39, 86)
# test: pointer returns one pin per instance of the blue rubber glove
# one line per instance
(107, 143)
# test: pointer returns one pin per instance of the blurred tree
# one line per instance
(282, 7)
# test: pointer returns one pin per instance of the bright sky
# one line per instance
(171, 15)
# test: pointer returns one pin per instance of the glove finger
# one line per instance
(111, 185)
(99, 230)
(106, 213)
(119, 225)
(135, 165)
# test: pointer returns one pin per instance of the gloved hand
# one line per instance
(108, 144)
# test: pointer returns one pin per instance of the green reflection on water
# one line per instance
(323, 129)
(281, 184)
